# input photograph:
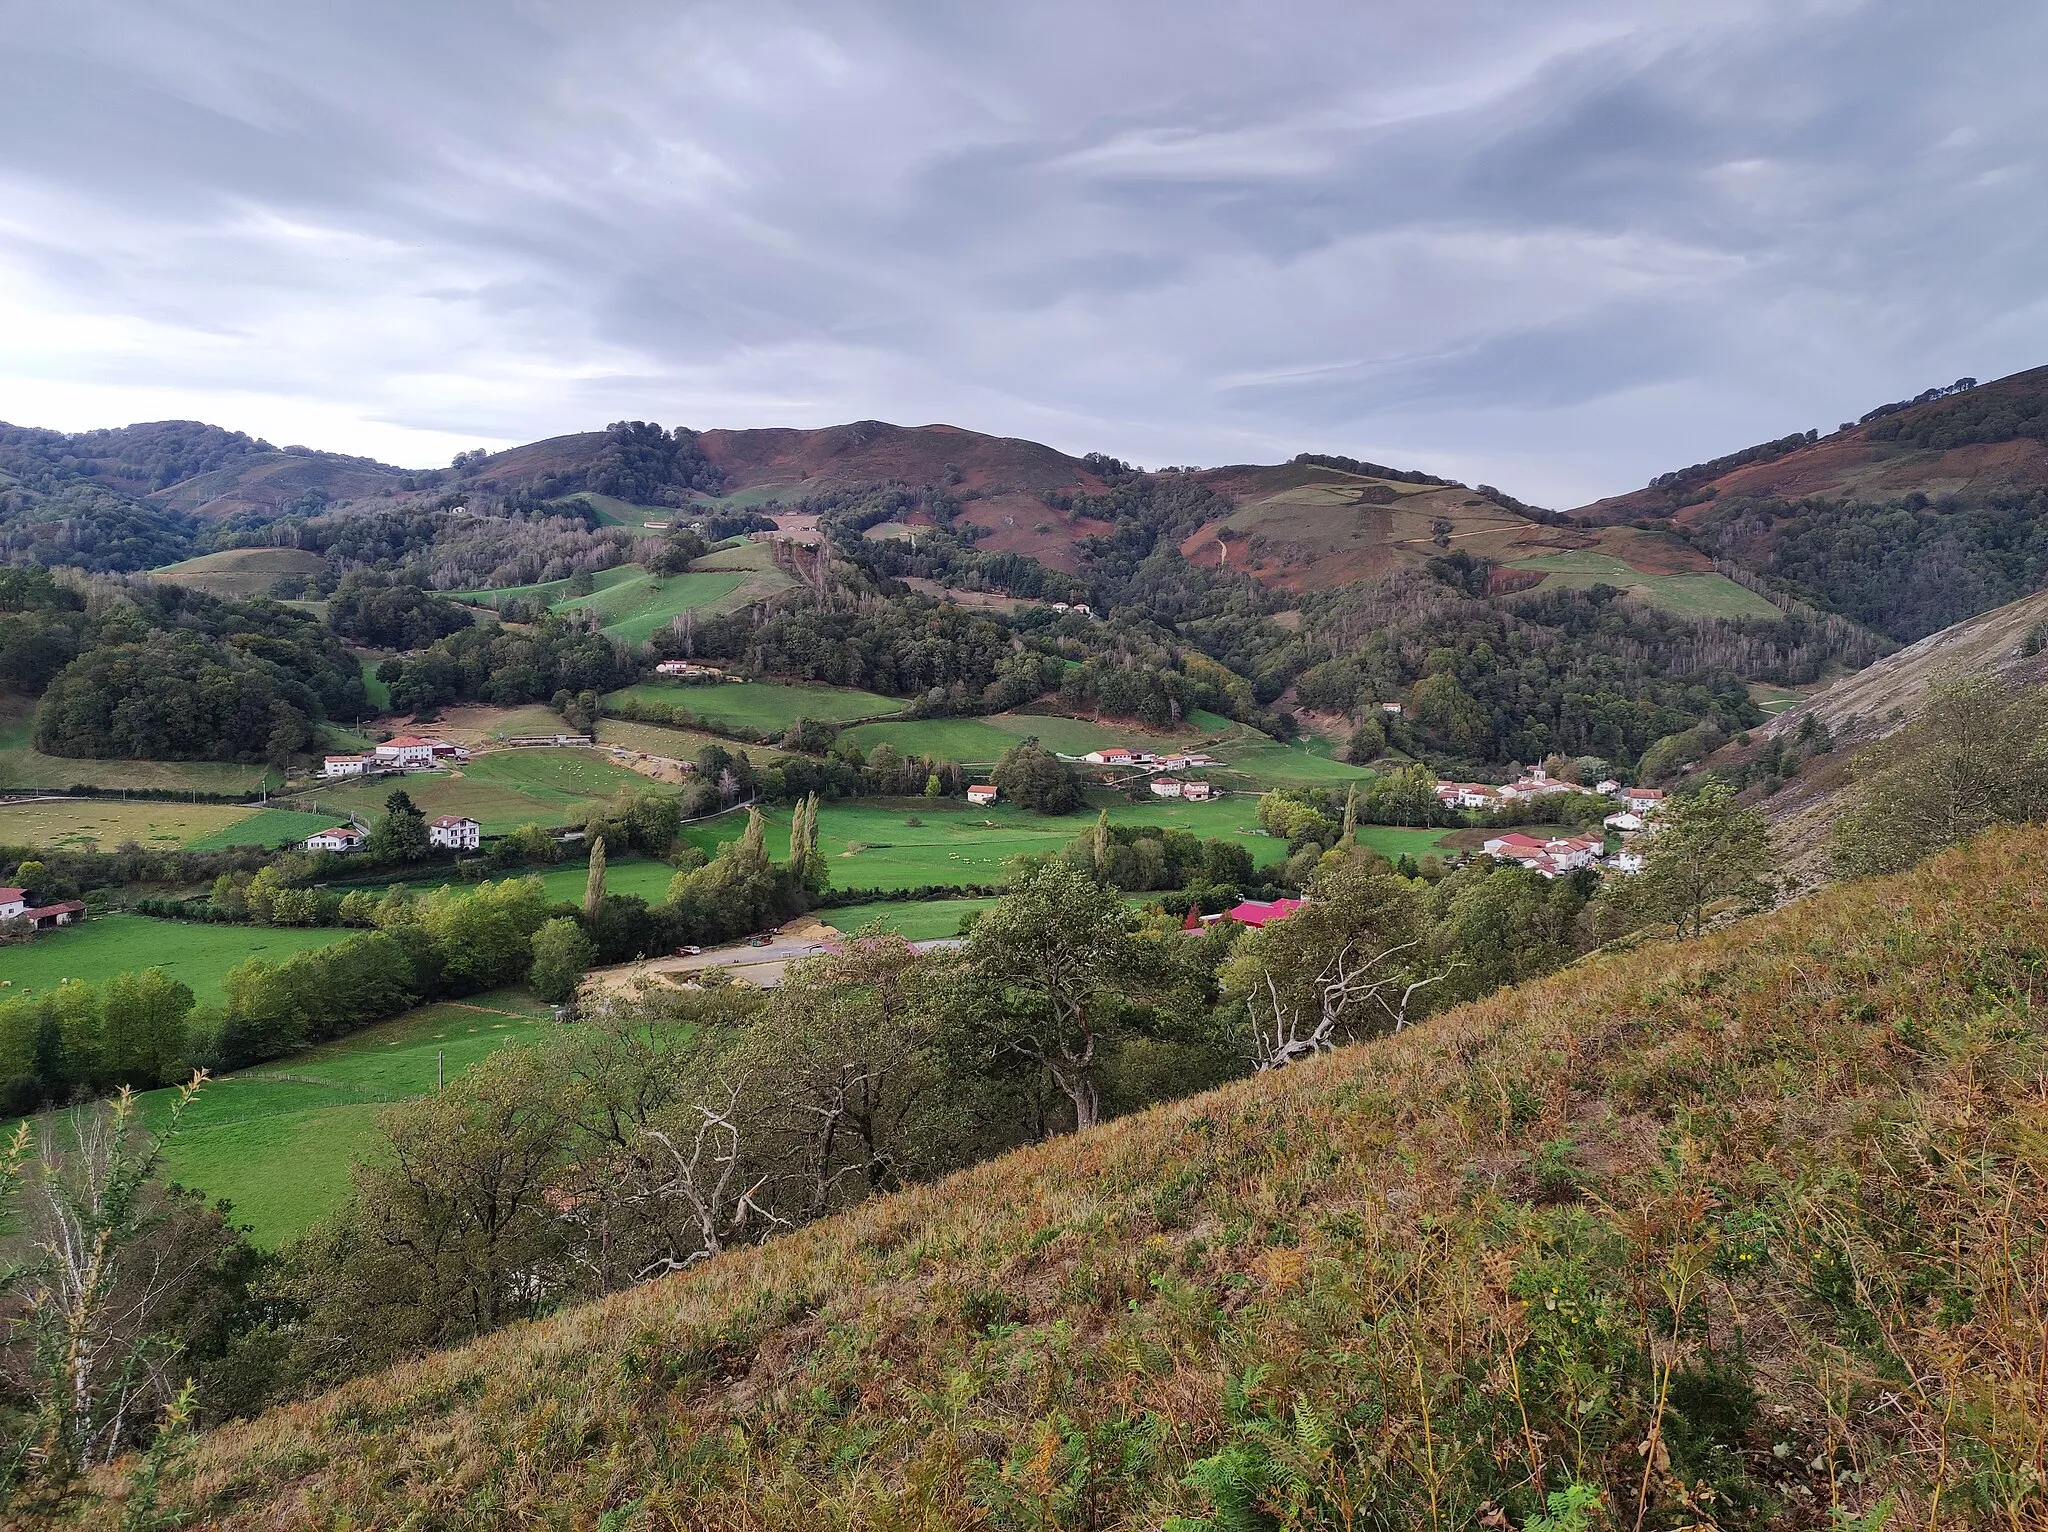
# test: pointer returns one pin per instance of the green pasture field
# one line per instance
(502, 789)
(641, 876)
(918, 921)
(265, 827)
(968, 741)
(614, 512)
(379, 691)
(762, 706)
(279, 1140)
(551, 591)
(1262, 762)
(1684, 595)
(636, 608)
(79, 823)
(676, 744)
(100, 946)
(22, 765)
(872, 844)
(1394, 842)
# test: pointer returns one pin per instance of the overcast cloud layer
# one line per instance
(1556, 247)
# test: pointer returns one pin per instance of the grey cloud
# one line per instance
(1486, 233)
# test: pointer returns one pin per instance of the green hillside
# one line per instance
(1747, 1228)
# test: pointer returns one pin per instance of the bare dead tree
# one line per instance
(1284, 1030)
(704, 1177)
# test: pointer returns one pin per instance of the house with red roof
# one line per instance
(1261, 912)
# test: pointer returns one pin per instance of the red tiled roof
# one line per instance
(408, 741)
(449, 821)
(1258, 912)
(9, 895)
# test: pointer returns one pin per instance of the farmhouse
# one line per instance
(1607, 787)
(1116, 755)
(688, 670)
(346, 765)
(457, 833)
(1626, 822)
(13, 902)
(1166, 787)
(1466, 795)
(407, 752)
(1197, 792)
(340, 838)
(14, 905)
(1644, 800)
(1513, 847)
(981, 792)
(1393, 708)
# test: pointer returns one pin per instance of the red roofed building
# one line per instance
(1259, 912)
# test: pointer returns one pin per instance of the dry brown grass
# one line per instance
(1556, 1236)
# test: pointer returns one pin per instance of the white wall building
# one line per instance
(340, 838)
(456, 833)
(406, 752)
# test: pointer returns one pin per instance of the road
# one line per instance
(760, 966)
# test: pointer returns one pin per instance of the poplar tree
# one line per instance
(1350, 837)
(593, 890)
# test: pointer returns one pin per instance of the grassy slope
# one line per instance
(1825, 1126)
(265, 827)
(637, 608)
(198, 955)
(77, 823)
(239, 573)
(1685, 595)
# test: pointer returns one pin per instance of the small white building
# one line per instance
(689, 670)
(1625, 822)
(1393, 708)
(1196, 792)
(13, 903)
(981, 792)
(340, 838)
(1607, 787)
(407, 752)
(1116, 755)
(346, 765)
(1167, 787)
(1465, 795)
(455, 832)
(1626, 860)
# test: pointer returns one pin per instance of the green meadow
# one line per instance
(501, 790)
(100, 946)
(1695, 595)
(279, 1140)
(920, 921)
(762, 707)
(641, 605)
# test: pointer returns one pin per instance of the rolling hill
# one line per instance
(1988, 438)
(1749, 1222)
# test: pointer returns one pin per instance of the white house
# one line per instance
(1391, 707)
(407, 752)
(13, 903)
(1607, 787)
(1625, 822)
(1166, 787)
(689, 671)
(1644, 800)
(1465, 795)
(340, 838)
(346, 765)
(1626, 861)
(981, 792)
(456, 833)
(1197, 792)
(1116, 755)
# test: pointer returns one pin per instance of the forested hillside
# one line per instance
(1732, 1233)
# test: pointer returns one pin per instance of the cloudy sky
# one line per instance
(1554, 246)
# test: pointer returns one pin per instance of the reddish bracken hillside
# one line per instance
(874, 452)
(1974, 443)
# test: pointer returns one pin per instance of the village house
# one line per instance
(1197, 792)
(1644, 800)
(1260, 912)
(1116, 755)
(1466, 795)
(456, 833)
(1626, 860)
(1607, 787)
(406, 752)
(13, 903)
(340, 838)
(1166, 787)
(1626, 822)
(346, 765)
(981, 792)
